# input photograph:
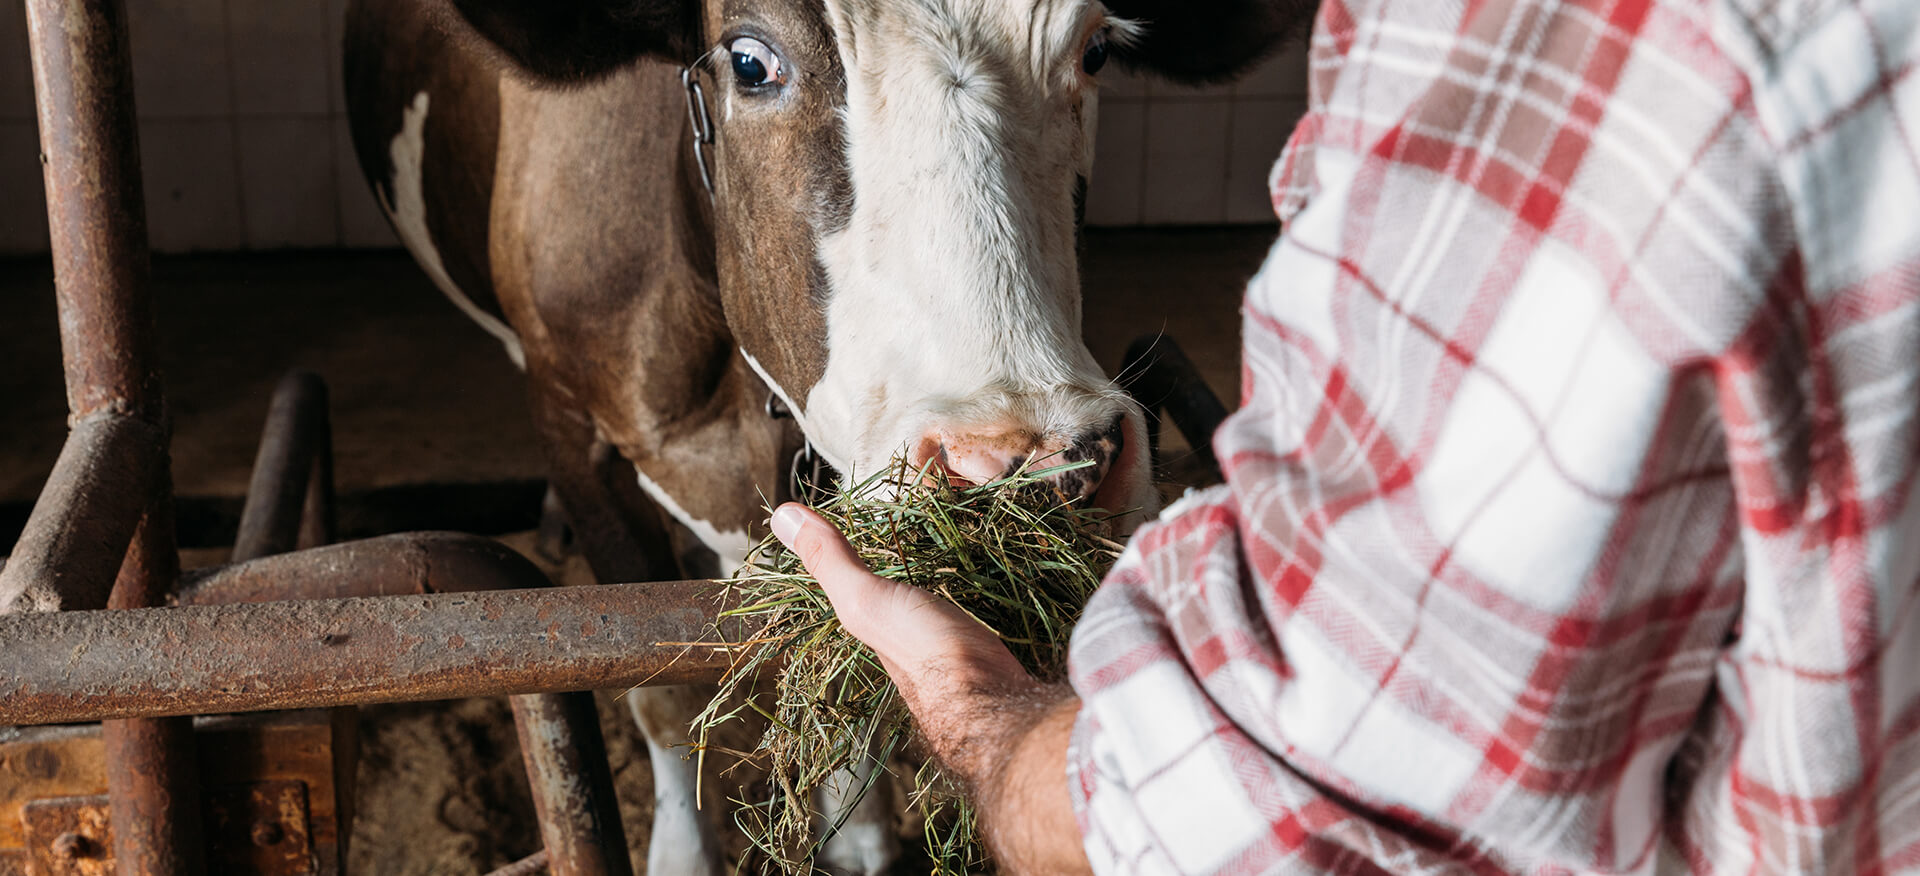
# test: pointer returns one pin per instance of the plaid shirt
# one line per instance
(1569, 522)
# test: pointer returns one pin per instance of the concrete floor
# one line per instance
(424, 403)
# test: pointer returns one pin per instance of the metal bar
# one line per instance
(83, 90)
(408, 564)
(153, 772)
(318, 521)
(80, 666)
(566, 761)
(531, 865)
(1163, 378)
(85, 518)
(285, 469)
(83, 87)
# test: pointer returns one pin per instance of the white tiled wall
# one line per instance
(243, 131)
(1172, 155)
(243, 134)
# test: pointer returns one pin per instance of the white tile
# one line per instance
(279, 56)
(1283, 75)
(1260, 130)
(336, 22)
(1114, 193)
(23, 212)
(1186, 162)
(16, 69)
(193, 197)
(180, 58)
(362, 223)
(287, 182)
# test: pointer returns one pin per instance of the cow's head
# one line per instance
(896, 190)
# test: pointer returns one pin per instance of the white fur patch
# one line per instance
(407, 210)
(731, 545)
(679, 843)
(955, 285)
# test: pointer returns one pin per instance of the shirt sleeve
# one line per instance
(1563, 515)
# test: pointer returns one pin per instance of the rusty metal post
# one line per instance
(289, 496)
(83, 89)
(566, 761)
(317, 523)
(85, 518)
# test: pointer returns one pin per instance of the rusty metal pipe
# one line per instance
(408, 564)
(285, 469)
(83, 88)
(566, 761)
(317, 519)
(78, 533)
(153, 776)
(89, 144)
(81, 666)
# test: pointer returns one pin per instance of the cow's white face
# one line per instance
(893, 229)
(946, 144)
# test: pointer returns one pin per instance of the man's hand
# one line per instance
(988, 721)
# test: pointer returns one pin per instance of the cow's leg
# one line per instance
(865, 844)
(624, 543)
(682, 840)
(620, 531)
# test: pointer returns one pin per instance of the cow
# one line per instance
(735, 241)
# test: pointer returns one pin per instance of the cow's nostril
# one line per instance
(1099, 448)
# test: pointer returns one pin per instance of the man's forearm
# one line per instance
(1024, 807)
(1001, 732)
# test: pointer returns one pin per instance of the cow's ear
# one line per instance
(576, 40)
(1208, 40)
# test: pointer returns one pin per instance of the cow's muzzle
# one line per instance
(981, 456)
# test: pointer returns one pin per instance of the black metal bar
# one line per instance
(288, 472)
(1162, 378)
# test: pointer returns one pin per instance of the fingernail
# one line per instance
(786, 523)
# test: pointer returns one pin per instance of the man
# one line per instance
(1569, 522)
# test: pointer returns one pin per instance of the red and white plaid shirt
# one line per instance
(1569, 522)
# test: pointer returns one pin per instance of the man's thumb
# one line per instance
(857, 594)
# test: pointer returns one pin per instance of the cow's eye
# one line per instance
(1096, 54)
(755, 65)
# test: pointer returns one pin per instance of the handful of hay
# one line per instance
(1009, 553)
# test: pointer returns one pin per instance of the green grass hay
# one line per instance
(1009, 553)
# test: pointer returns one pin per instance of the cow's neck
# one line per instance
(620, 309)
